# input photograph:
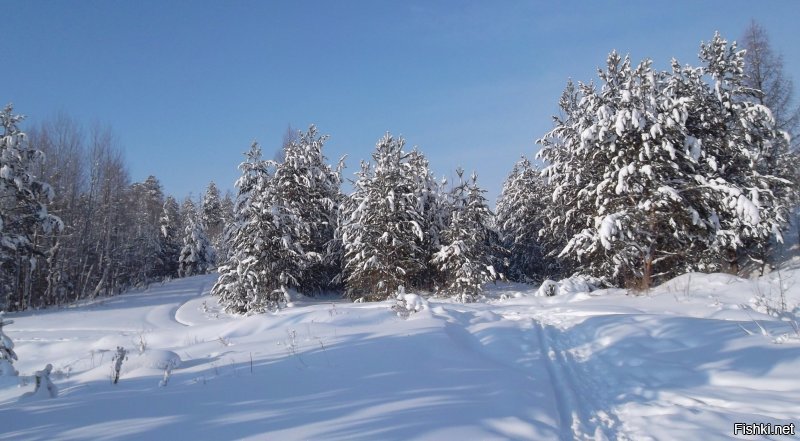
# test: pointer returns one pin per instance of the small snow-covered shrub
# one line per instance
(549, 288)
(44, 388)
(571, 285)
(7, 354)
(119, 357)
(155, 359)
(579, 283)
(408, 304)
(169, 364)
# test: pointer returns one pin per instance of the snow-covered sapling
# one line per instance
(170, 365)
(548, 288)
(119, 357)
(45, 387)
(292, 346)
(7, 354)
(142, 344)
(408, 304)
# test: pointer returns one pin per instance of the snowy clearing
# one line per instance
(685, 361)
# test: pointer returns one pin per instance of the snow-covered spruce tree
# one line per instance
(522, 211)
(382, 225)
(305, 191)
(433, 208)
(197, 255)
(7, 354)
(211, 215)
(261, 261)
(465, 257)
(226, 206)
(23, 213)
(656, 169)
(169, 237)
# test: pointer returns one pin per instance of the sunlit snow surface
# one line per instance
(683, 361)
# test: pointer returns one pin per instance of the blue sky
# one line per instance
(188, 85)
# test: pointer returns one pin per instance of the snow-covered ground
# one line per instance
(685, 361)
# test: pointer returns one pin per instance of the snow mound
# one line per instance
(408, 304)
(7, 369)
(573, 285)
(414, 302)
(158, 359)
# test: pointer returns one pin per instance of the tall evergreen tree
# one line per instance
(227, 209)
(23, 213)
(522, 212)
(433, 208)
(211, 215)
(258, 272)
(465, 257)
(305, 190)
(197, 254)
(170, 237)
(382, 225)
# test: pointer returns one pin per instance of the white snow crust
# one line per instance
(683, 361)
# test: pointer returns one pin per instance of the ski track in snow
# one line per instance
(580, 408)
(201, 290)
(583, 417)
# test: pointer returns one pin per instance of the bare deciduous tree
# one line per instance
(764, 70)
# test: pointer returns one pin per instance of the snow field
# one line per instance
(685, 360)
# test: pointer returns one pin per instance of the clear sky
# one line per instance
(188, 85)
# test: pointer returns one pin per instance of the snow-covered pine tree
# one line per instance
(382, 233)
(752, 174)
(226, 206)
(197, 255)
(465, 256)
(522, 211)
(619, 165)
(306, 192)
(23, 213)
(434, 211)
(211, 215)
(655, 169)
(169, 237)
(258, 272)
(7, 354)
